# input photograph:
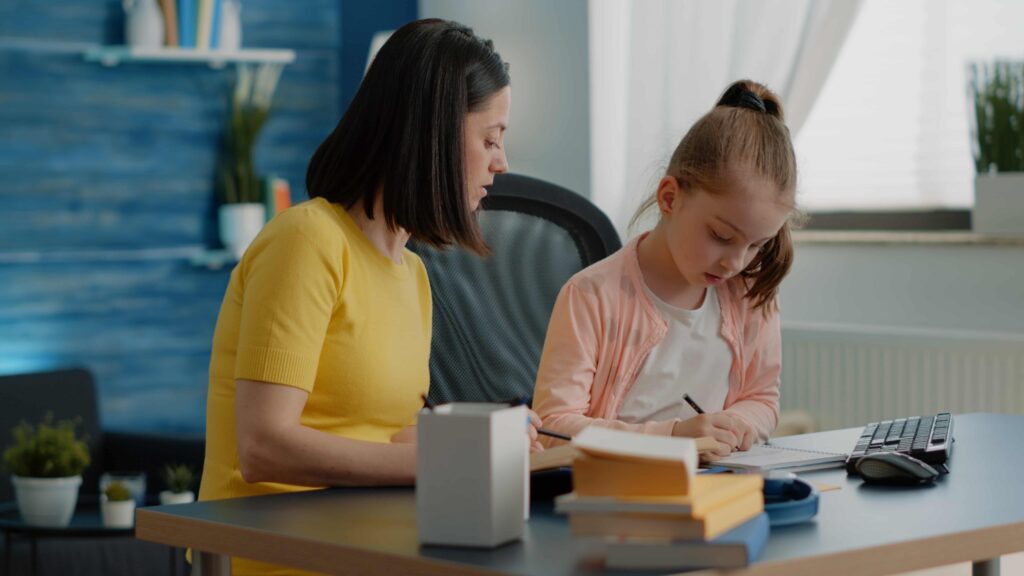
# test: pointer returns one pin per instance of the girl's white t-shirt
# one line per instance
(692, 358)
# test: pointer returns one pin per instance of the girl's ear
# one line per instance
(669, 194)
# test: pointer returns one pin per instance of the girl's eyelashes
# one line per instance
(719, 238)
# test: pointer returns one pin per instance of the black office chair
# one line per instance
(491, 314)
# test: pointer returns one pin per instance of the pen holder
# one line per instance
(471, 474)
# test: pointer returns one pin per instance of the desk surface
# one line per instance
(974, 513)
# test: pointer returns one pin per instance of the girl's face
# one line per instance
(713, 237)
(484, 141)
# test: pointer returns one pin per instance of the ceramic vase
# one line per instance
(239, 225)
(117, 513)
(229, 37)
(143, 24)
(47, 501)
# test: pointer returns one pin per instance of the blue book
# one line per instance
(187, 23)
(734, 549)
(215, 36)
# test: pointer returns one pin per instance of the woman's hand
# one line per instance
(406, 435)
(531, 430)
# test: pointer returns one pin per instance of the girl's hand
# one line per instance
(744, 432)
(531, 430)
(718, 425)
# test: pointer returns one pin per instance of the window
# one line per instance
(890, 129)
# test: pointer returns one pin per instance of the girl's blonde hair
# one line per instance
(745, 131)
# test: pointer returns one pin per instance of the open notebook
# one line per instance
(769, 457)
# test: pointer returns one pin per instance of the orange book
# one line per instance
(710, 491)
(669, 526)
(170, 12)
(619, 463)
(606, 477)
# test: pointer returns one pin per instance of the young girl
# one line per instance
(688, 308)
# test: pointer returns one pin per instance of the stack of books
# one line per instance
(641, 493)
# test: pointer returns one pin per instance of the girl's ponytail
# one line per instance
(745, 130)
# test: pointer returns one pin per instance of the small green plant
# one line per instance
(997, 90)
(178, 478)
(248, 108)
(48, 450)
(117, 492)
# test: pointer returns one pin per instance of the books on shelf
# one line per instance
(734, 549)
(199, 23)
(169, 8)
(277, 195)
(770, 457)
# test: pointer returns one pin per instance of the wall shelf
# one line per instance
(115, 55)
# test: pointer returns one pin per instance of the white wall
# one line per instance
(545, 43)
(960, 287)
(943, 287)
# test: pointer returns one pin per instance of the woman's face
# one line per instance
(484, 144)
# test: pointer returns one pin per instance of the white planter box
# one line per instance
(46, 501)
(999, 204)
(472, 463)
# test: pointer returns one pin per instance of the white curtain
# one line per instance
(656, 66)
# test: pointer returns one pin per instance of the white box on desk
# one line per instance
(471, 474)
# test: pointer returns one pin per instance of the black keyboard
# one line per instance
(927, 438)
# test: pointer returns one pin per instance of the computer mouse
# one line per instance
(895, 468)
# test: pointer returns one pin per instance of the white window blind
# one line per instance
(890, 129)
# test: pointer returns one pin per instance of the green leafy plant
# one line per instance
(997, 90)
(117, 492)
(178, 478)
(48, 450)
(248, 108)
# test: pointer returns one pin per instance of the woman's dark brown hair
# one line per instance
(402, 135)
(745, 131)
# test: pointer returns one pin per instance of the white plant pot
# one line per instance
(168, 497)
(117, 513)
(999, 204)
(239, 225)
(46, 501)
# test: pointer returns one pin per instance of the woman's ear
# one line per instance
(668, 195)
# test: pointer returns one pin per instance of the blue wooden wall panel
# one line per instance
(107, 185)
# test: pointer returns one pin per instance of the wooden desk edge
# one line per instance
(218, 538)
(982, 544)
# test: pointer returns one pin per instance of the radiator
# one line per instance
(846, 376)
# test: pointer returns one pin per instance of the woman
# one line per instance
(320, 355)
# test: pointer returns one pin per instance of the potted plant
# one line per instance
(46, 463)
(997, 90)
(117, 506)
(242, 212)
(179, 479)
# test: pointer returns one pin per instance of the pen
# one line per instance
(694, 405)
(554, 434)
(525, 400)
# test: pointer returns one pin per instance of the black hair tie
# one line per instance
(750, 100)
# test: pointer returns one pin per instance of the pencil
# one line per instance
(696, 407)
